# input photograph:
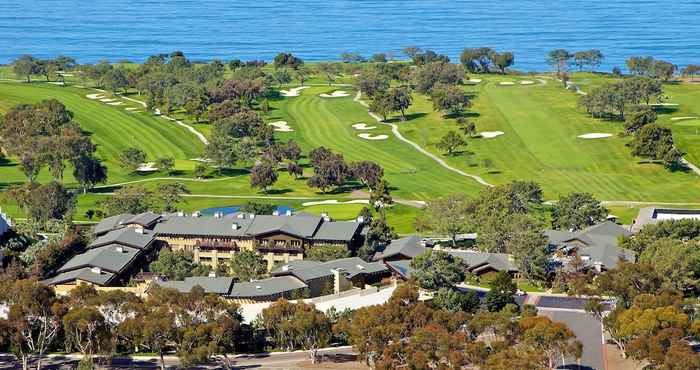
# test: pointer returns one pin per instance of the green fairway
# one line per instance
(328, 122)
(541, 125)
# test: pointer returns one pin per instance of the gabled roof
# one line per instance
(606, 255)
(84, 274)
(266, 287)
(294, 265)
(111, 223)
(112, 257)
(401, 267)
(202, 226)
(215, 285)
(477, 261)
(146, 219)
(409, 247)
(352, 266)
(304, 226)
(337, 230)
(127, 236)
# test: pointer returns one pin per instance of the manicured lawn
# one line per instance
(541, 124)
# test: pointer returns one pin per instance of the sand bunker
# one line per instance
(107, 100)
(116, 103)
(473, 80)
(335, 94)
(373, 137)
(282, 126)
(334, 201)
(527, 82)
(363, 126)
(491, 134)
(94, 96)
(594, 135)
(506, 83)
(147, 167)
(682, 118)
(293, 92)
(130, 108)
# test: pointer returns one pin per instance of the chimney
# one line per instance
(275, 213)
(234, 226)
(180, 214)
(288, 212)
(325, 217)
(285, 268)
(252, 216)
(96, 270)
(212, 274)
(139, 230)
(241, 215)
(196, 214)
(361, 219)
(217, 215)
(119, 249)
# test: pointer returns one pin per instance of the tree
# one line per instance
(411, 51)
(329, 70)
(33, 320)
(258, 208)
(379, 233)
(638, 119)
(282, 76)
(656, 143)
(380, 198)
(664, 70)
(592, 58)
(577, 211)
(691, 70)
(454, 300)
(554, 339)
(529, 247)
(437, 269)
(444, 216)
(427, 76)
(115, 79)
(325, 253)
(400, 99)
(372, 82)
(678, 262)
(89, 171)
(223, 152)
(467, 127)
(330, 170)
(680, 230)
(449, 99)
(170, 195)
(175, 265)
(132, 199)
(287, 60)
(302, 74)
(158, 330)
(200, 170)
(26, 66)
(131, 159)
(502, 291)
(247, 266)
(297, 326)
(503, 60)
(165, 164)
(559, 59)
(263, 175)
(42, 203)
(450, 142)
(86, 330)
(368, 172)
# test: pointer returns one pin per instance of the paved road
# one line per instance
(264, 361)
(588, 331)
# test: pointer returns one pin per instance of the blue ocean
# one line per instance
(321, 30)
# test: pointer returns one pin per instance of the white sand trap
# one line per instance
(491, 134)
(282, 126)
(335, 94)
(473, 80)
(130, 108)
(682, 118)
(594, 135)
(116, 103)
(527, 82)
(107, 100)
(506, 83)
(373, 137)
(94, 96)
(363, 126)
(147, 167)
(334, 201)
(293, 92)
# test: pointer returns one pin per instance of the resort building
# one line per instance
(652, 215)
(125, 244)
(5, 223)
(597, 246)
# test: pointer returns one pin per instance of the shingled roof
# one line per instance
(352, 266)
(111, 223)
(128, 236)
(478, 261)
(215, 285)
(409, 247)
(267, 287)
(85, 274)
(112, 257)
(600, 243)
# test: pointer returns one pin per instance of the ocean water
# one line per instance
(322, 30)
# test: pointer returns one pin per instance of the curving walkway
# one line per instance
(397, 133)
